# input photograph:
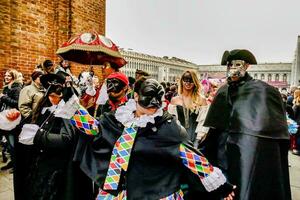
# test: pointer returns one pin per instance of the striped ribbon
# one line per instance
(120, 158)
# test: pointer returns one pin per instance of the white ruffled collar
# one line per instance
(51, 109)
(125, 115)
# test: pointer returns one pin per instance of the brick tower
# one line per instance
(32, 30)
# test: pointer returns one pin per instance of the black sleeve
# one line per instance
(12, 99)
(56, 141)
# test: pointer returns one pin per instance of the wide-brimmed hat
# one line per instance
(55, 79)
(238, 54)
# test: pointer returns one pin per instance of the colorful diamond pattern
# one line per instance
(85, 122)
(198, 164)
(107, 196)
(120, 158)
(175, 196)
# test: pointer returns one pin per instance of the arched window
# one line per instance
(277, 77)
(269, 77)
(262, 77)
(255, 76)
(284, 78)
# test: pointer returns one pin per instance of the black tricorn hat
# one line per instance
(238, 54)
(48, 79)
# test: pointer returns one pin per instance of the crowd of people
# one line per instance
(195, 139)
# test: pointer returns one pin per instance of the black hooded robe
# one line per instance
(249, 139)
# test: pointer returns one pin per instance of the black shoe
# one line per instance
(8, 166)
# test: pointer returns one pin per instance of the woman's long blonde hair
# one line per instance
(297, 97)
(196, 93)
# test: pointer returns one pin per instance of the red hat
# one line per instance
(120, 76)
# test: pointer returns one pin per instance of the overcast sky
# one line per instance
(201, 30)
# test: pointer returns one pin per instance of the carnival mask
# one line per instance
(114, 85)
(150, 94)
(187, 78)
(237, 68)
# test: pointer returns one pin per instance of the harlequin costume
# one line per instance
(145, 158)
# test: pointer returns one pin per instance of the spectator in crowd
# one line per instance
(65, 67)
(295, 139)
(30, 95)
(290, 97)
(48, 67)
(248, 132)
(9, 99)
(131, 88)
(139, 73)
(190, 107)
(85, 79)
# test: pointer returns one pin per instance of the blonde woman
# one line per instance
(8, 100)
(190, 107)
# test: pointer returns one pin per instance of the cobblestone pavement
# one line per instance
(6, 180)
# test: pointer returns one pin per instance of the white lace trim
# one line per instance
(200, 129)
(51, 109)
(125, 115)
(214, 180)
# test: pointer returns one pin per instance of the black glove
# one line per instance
(224, 190)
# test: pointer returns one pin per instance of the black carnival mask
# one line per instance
(150, 94)
(114, 85)
(187, 78)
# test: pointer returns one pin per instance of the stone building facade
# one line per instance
(276, 74)
(31, 31)
(161, 68)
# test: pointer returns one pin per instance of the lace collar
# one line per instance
(125, 115)
(51, 109)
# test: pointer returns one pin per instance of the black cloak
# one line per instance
(250, 107)
(249, 139)
(155, 169)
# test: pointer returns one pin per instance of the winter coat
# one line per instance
(11, 96)
(29, 97)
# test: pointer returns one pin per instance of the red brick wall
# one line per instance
(32, 30)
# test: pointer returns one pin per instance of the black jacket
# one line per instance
(11, 96)
(52, 174)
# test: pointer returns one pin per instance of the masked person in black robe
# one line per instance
(248, 136)
(141, 152)
(51, 172)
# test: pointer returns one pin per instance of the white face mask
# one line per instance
(237, 68)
